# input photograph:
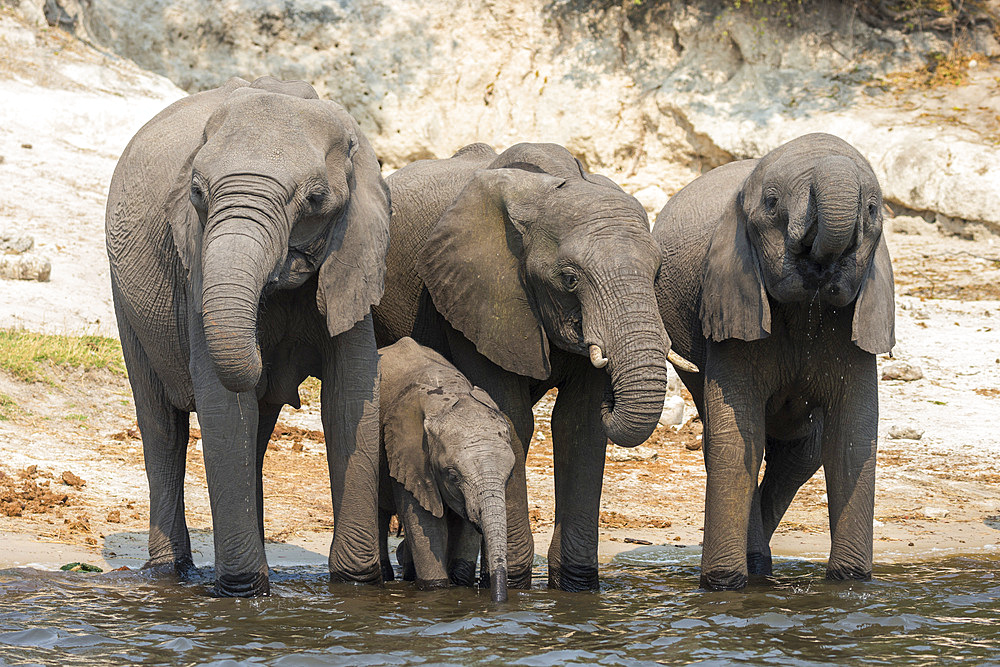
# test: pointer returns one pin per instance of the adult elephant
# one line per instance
(528, 273)
(246, 229)
(776, 282)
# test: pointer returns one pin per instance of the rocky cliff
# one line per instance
(649, 92)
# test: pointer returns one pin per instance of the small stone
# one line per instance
(640, 453)
(16, 245)
(70, 479)
(935, 512)
(907, 432)
(673, 411)
(901, 370)
(26, 146)
(25, 267)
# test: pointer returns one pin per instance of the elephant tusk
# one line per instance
(597, 357)
(680, 362)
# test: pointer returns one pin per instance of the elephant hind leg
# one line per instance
(789, 465)
(384, 518)
(266, 419)
(758, 542)
(164, 431)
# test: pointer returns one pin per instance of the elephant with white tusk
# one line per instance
(529, 273)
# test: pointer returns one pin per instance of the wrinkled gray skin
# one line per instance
(447, 458)
(246, 229)
(776, 282)
(512, 266)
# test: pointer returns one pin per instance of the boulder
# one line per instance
(650, 93)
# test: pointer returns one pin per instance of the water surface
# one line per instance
(649, 611)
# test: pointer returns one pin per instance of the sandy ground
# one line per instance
(65, 116)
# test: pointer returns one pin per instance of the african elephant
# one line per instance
(446, 459)
(246, 230)
(776, 282)
(528, 273)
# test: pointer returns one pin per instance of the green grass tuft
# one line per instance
(7, 407)
(24, 354)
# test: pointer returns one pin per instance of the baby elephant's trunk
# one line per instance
(494, 527)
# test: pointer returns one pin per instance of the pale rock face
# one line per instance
(650, 94)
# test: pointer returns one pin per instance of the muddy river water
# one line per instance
(648, 611)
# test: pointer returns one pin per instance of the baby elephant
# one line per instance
(446, 457)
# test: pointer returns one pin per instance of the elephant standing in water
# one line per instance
(776, 282)
(246, 229)
(447, 459)
(528, 273)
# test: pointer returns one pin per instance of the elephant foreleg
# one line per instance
(426, 537)
(579, 447)
(463, 550)
(850, 431)
(164, 432)
(734, 451)
(229, 435)
(349, 397)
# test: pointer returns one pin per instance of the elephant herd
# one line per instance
(253, 242)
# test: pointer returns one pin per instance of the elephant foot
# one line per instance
(723, 581)
(463, 573)
(521, 580)
(759, 564)
(246, 586)
(432, 584)
(574, 580)
(848, 574)
(387, 573)
(371, 574)
(169, 567)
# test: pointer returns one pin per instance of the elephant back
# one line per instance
(684, 229)
(420, 193)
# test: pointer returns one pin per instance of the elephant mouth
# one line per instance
(298, 267)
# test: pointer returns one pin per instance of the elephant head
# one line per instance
(806, 227)
(282, 186)
(534, 251)
(454, 449)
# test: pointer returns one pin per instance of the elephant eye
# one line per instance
(570, 281)
(316, 200)
(873, 210)
(771, 203)
(197, 194)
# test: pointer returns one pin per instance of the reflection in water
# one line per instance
(647, 612)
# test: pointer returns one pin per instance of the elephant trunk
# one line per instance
(836, 190)
(236, 261)
(493, 523)
(636, 350)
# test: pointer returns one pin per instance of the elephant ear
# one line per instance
(470, 264)
(406, 451)
(874, 324)
(352, 276)
(733, 301)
